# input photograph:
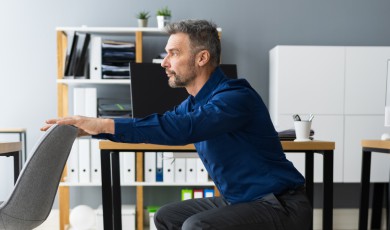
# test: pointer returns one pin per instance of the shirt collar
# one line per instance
(216, 77)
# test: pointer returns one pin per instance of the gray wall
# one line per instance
(250, 29)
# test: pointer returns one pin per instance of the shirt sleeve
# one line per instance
(225, 112)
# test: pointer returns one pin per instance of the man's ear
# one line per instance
(203, 57)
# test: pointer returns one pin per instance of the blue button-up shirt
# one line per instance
(233, 134)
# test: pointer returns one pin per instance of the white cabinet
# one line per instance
(306, 79)
(365, 79)
(345, 88)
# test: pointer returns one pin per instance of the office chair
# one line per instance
(33, 195)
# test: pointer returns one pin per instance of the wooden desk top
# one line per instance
(7, 147)
(12, 130)
(287, 145)
(378, 144)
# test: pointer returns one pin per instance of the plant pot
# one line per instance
(142, 22)
(162, 21)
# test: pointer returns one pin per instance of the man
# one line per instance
(232, 132)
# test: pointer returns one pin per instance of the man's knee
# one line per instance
(159, 218)
(195, 222)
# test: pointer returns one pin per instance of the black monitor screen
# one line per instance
(151, 92)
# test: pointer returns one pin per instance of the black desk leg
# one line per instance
(327, 218)
(377, 202)
(309, 175)
(388, 204)
(364, 190)
(116, 190)
(106, 189)
(17, 165)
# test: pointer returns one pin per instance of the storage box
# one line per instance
(128, 217)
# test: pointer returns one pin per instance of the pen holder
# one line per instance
(302, 130)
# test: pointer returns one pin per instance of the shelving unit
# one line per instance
(63, 99)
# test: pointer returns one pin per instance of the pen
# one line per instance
(296, 117)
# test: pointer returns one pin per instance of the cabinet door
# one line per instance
(306, 79)
(358, 128)
(365, 79)
(326, 128)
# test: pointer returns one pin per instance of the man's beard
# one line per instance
(178, 81)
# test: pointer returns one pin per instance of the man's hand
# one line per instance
(87, 125)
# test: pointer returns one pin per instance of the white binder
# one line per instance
(84, 161)
(127, 163)
(201, 172)
(90, 102)
(191, 169)
(180, 170)
(73, 164)
(95, 58)
(96, 175)
(168, 167)
(150, 166)
(79, 101)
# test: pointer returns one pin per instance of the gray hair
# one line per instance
(203, 35)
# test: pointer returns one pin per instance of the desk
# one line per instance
(13, 149)
(22, 138)
(369, 146)
(111, 194)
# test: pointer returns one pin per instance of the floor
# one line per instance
(343, 219)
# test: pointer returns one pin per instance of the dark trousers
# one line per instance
(291, 210)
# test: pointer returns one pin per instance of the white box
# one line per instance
(151, 221)
(128, 217)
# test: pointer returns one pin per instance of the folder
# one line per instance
(127, 163)
(168, 167)
(201, 175)
(71, 58)
(180, 170)
(186, 194)
(191, 170)
(84, 161)
(90, 102)
(79, 101)
(95, 58)
(208, 192)
(96, 175)
(159, 167)
(198, 193)
(81, 61)
(150, 166)
(73, 164)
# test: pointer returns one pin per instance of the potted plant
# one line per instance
(163, 17)
(143, 17)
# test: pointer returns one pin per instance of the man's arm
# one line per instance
(87, 125)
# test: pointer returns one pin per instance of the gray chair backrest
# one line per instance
(32, 198)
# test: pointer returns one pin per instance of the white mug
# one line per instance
(302, 130)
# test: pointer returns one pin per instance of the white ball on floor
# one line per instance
(82, 217)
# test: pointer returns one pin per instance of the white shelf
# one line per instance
(117, 30)
(67, 184)
(92, 81)
(114, 30)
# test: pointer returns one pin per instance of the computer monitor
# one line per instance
(151, 93)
